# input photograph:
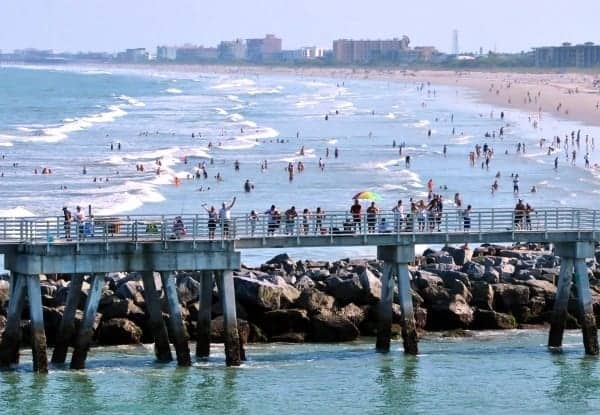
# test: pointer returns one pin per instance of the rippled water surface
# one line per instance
(492, 372)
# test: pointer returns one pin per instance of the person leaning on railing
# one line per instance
(67, 222)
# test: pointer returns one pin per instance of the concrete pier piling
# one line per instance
(178, 330)
(409, 328)
(86, 331)
(204, 315)
(384, 325)
(66, 329)
(38, 335)
(587, 319)
(396, 260)
(561, 302)
(157, 323)
(9, 348)
(232, 337)
(573, 255)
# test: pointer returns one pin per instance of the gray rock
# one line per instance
(262, 295)
(449, 313)
(314, 301)
(491, 320)
(460, 255)
(474, 270)
(345, 291)
(119, 331)
(332, 328)
(482, 295)
(371, 287)
(304, 282)
(278, 322)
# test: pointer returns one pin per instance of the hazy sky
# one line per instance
(110, 25)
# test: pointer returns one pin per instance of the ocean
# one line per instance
(65, 119)
(495, 372)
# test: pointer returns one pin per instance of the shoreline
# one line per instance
(579, 100)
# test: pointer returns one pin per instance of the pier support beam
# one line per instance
(232, 337)
(204, 315)
(38, 335)
(66, 329)
(561, 302)
(396, 260)
(9, 349)
(86, 331)
(384, 325)
(178, 331)
(573, 259)
(586, 312)
(157, 323)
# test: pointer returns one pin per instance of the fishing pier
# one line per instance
(156, 247)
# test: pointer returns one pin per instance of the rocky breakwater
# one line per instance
(284, 300)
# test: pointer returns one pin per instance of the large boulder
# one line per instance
(217, 330)
(512, 299)
(304, 282)
(460, 255)
(345, 291)
(314, 301)
(353, 313)
(262, 295)
(282, 261)
(371, 287)
(126, 309)
(119, 331)
(491, 320)
(289, 293)
(332, 328)
(482, 295)
(474, 270)
(449, 313)
(279, 322)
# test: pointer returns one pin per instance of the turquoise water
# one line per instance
(495, 372)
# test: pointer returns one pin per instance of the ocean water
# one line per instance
(495, 372)
(65, 119)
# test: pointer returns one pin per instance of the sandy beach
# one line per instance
(571, 96)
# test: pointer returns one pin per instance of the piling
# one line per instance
(561, 302)
(9, 349)
(586, 311)
(38, 335)
(178, 330)
(232, 337)
(409, 328)
(157, 323)
(86, 331)
(66, 329)
(384, 324)
(204, 315)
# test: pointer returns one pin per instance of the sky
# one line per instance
(112, 25)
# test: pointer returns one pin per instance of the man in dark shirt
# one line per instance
(355, 210)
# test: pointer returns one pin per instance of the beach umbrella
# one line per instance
(366, 196)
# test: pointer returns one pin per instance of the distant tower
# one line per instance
(455, 48)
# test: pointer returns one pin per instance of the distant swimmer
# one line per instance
(445, 150)
(248, 187)
(407, 161)
(336, 153)
(326, 117)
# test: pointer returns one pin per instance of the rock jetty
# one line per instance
(284, 300)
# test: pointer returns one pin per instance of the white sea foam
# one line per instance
(234, 98)
(174, 91)
(221, 111)
(332, 141)
(132, 101)
(264, 91)
(306, 103)
(421, 124)
(248, 123)
(58, 132)
(392, 187)
(18, 212)
(391, 116)
(235, 117)
(234, 84)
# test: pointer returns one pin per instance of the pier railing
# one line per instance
(140, 228)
